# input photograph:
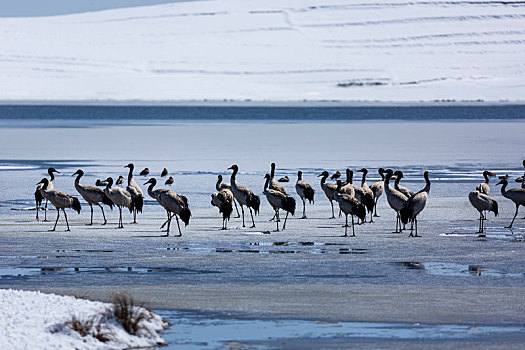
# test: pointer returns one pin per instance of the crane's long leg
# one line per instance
(353, 226)
(237, 209)
(346, 225)
(332, 204)
(375, 208)
(285, 218)
(415, 220)
(515, 214)
(91, 206)
(277, 220)
(371, 216)
(135, 216)
(169, 224)
(253, 221)
(397, 222)
(58, 215)
(483, 225)
(67, 223)
(45, 212)
(120, 225)
(242, 210)
(165, 222)
(304, 208)
(480, 223)
(37, 219)
(178, 225)
(103, 215)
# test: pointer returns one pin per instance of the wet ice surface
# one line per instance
(210, 331)
(310, 253)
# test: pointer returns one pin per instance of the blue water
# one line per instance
(260, 113)
(192, 330)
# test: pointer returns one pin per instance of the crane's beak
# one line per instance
(147, 182)
(491, 173)
(499, 183)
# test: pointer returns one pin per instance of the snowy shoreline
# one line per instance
(34, 320)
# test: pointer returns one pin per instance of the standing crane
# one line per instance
(39, 193)
(60, 200)
(305, 191)
(517, 195)
(415, 205)
(244, 195)
(278, 200)
(136, 193)
(378, 188)
(120, 197)
(328, 189)
(349, 205)
(92, 195)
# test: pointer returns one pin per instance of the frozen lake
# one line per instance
(450, 277)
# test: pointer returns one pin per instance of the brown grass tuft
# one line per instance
(127, 313)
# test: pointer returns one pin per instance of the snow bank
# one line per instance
(273, 50)
(33, 320)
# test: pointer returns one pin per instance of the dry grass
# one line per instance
(91, 327)
(82, 327)
(127, 313)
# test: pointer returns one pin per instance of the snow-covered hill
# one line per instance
(278, 50)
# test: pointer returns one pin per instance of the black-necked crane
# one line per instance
(120, 180)
(60, 200)
(278, 200)
(224, 201)
(275, 185)
(226, 185)
(349, 205)
(136, 193)
(378, 188)
(155, 193)
(305, 191)
(415, 205)
(395, 199)
(328, 189)
(399, 175)
(39, 193)
(176, 205)
(120, 197)
(102, 183)
(484, 186)
(482, 203)
(244, 195)
(367, 197)
(144, 172)
(284, 179)
(169, 181)
(164, 172)
(335, 175)
(517, 195)
(358, 192)
(92, 195)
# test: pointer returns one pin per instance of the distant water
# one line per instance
(260, 113)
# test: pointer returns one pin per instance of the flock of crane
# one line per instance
(353, 200)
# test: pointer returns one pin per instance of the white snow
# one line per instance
(272, 50)
(33, 320)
